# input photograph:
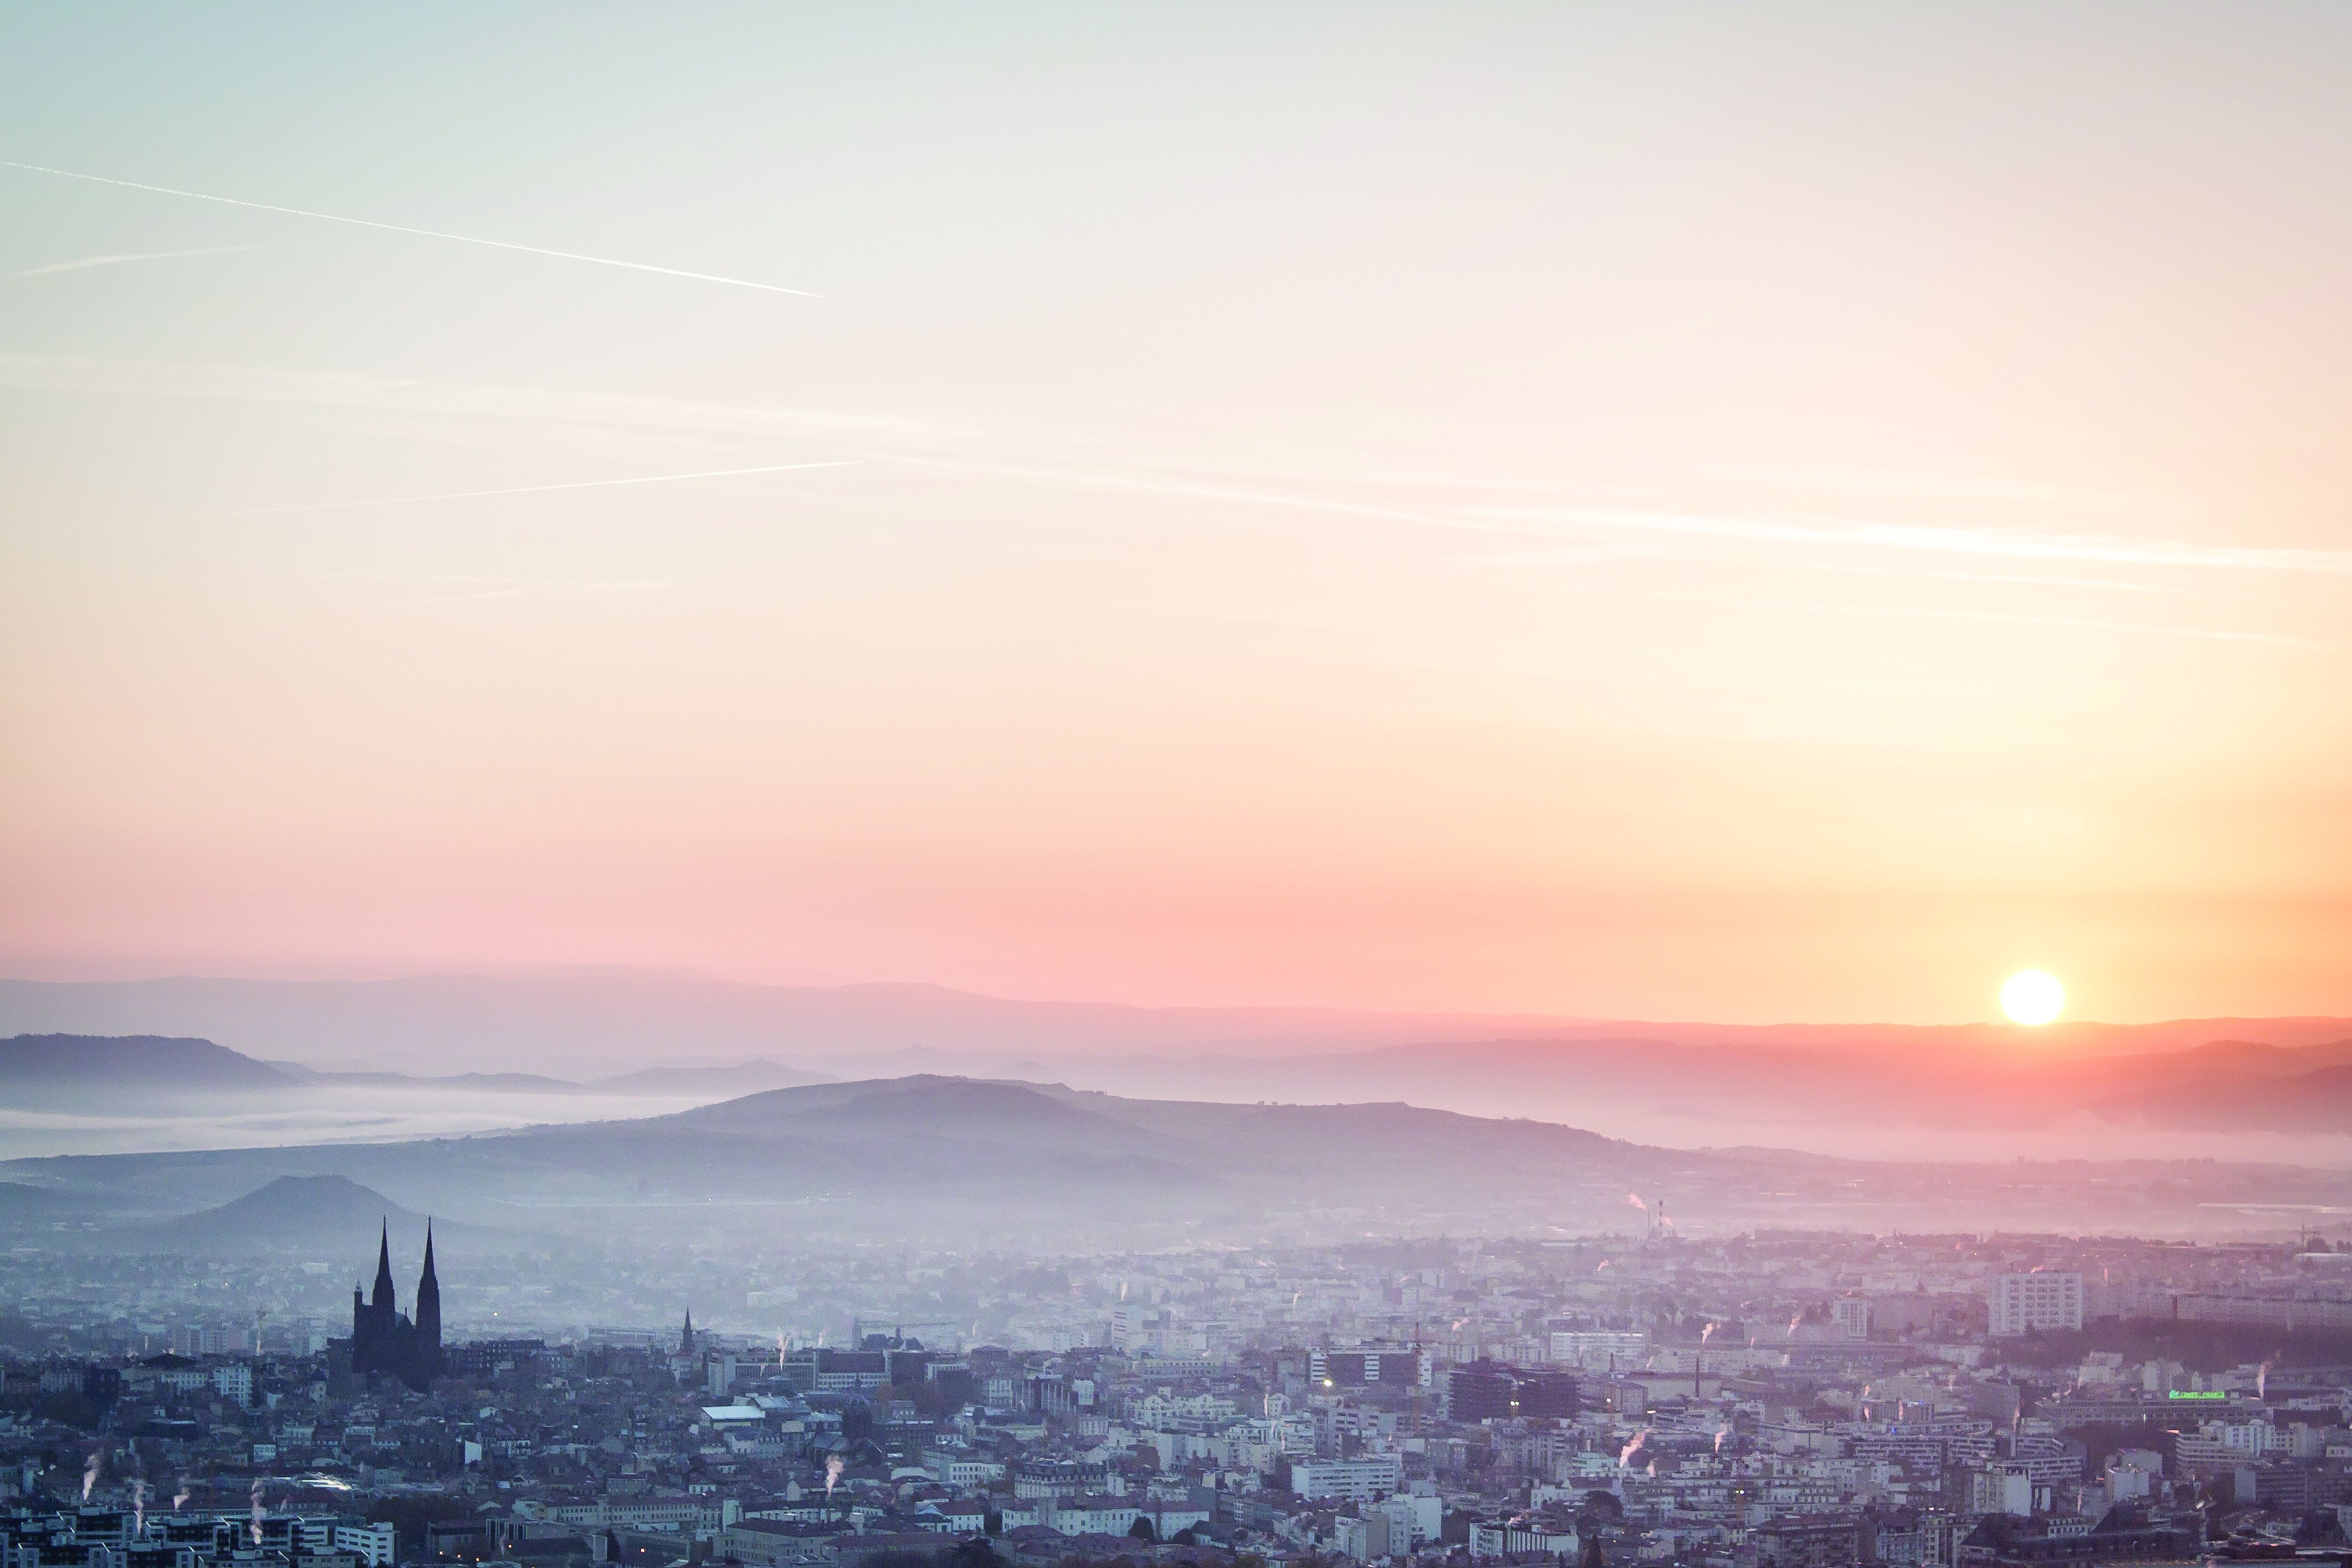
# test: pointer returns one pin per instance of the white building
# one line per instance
(1354, 1481)
(960, 1468)
(1852, 1315)
(1364, 1540)
(1415, 1518)
(2001, 1488)
(2253, 1439)
(2020, 1303)
(1489, 1541)
(1089, 1515)
(1390, 1528)
(371, 1543)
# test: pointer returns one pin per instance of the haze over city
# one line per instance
(1046, 786)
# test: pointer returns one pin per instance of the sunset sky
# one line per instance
(1620, 512)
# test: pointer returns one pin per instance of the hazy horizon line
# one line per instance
(1460, 1014)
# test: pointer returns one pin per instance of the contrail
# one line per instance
(403, 228)
(139, 256)
(517, 490)
(524, 590)
(1964, 541)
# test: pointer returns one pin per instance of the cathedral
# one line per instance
(383, 1338)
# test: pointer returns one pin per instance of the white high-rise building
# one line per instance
(2022, 1302)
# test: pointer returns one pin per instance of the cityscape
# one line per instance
(1211, 785)
(1765, 1397)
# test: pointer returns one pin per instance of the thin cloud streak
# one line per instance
(403, 228)
(1905, 613)
(1548, 523)
(2160, 552)
(2105, 583)
(1956, 487)
(90, 261)
(513, 490)
(2107, 548)
(542, 590)
(1580, 554)
(345, 389)
(1154, 484)
(1525, 523)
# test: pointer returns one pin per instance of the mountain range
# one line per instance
(2294, 1100)
(94, 1073)
(596, 1022)
(1048, 1167)
(1796, 1093)
(84, 1071)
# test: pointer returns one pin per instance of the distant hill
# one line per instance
(1784, 1093)
(330, 1214)
(1890, 1090)
(925, 1106)
(1858, 1098)
(972, 1162)
(98, 1093)
(301, 1203)
(743, 1078)
(2264, 1095)
(970, 1156)
(967, 1155)
(70, 1069)
(454, 1023)
(462, 1082)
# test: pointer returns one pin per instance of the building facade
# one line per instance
(2024, 1303)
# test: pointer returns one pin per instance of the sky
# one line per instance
(1623, 510)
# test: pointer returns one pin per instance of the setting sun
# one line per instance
(2031, 996)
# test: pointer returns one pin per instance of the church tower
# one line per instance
(382, 1301)
(383, 1340)
(427, 1353)
(686, 1339)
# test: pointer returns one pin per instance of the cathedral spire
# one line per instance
(686, 1339)
(426, 1350)
(382, 1299)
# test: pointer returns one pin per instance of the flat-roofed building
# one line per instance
(2022, 1303)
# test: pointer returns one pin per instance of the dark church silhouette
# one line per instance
(383, 1338)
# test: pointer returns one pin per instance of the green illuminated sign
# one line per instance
(2194, 1393)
